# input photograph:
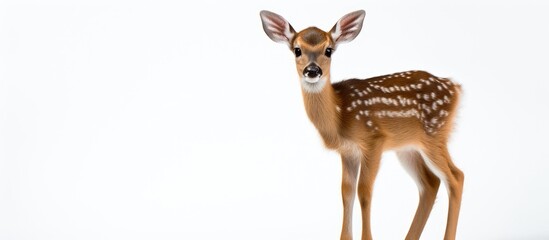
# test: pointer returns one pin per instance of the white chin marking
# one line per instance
(313, 85)
(311, 80)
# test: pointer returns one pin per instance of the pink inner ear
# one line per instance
(345, 35)
(278, 35)
(349, 23)
(277, 25)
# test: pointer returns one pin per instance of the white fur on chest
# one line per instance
(350, 149)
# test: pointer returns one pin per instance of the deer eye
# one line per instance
(297, 52)
(329, 52)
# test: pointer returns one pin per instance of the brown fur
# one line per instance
(336, 127)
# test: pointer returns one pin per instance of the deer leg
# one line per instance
(350, 166)
(427, 184)
(368, 171)
(439, 162)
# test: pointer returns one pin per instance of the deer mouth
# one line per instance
(311, 80)
(313, 85)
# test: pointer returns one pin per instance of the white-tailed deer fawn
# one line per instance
(409, 112)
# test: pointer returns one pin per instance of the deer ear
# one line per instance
(348, 27)
(276, 27)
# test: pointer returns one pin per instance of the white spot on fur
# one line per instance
(446, 99)
(400, 114)
(426, 108)
(440, 124)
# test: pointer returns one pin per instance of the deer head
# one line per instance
(312, 47)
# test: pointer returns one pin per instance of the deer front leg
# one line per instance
(350, 166)
(368, 171)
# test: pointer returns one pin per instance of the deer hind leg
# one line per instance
(439, 162)
(427, 184)
(350, 166)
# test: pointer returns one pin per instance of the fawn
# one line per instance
(409, 112)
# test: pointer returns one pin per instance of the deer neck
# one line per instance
(322, 107)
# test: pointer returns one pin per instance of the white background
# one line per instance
(179, 120)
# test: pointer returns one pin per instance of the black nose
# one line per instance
(312, 71)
